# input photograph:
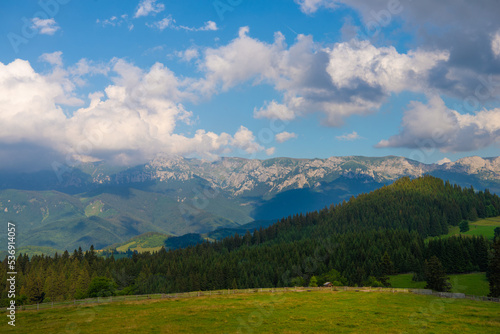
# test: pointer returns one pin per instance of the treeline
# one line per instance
(345, 243)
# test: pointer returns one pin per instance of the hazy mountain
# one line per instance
(100, 204)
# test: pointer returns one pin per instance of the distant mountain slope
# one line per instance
(345, 244)
(100, 204)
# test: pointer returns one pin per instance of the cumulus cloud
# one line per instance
(45, 26)
(245, 140)
(189, 54)
(115, 21)
(241, 60)
(285, 136)
(167, 22)
(131, 121)
(495, 44)
(462, 28)
(350, 78)
(443, 161)
(275, 110)
(147, 7)
(361, 62)
(349, 136)
(311, 6)
(270, 151)
(435, 126)
(209, 26)
(54, 58)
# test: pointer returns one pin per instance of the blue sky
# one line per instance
(126, 80)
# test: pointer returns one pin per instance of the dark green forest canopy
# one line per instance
(351, 238)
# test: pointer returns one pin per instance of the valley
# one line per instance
(98, 204)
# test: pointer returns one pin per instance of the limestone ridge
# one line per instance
(239, 177)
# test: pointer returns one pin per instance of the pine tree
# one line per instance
(497, 232)
(34, 288)
(494, 270)
(386, 269)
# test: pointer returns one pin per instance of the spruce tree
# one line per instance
(436, 276)
(497, 232)
(494, 270)
(386, 269)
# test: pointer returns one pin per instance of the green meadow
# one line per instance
(484, 227)
(292, 312)
(471, 284)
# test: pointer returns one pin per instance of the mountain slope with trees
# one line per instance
(105, 204)
(345, 243)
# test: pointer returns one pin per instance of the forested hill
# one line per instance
(344, 244)
(426, 205)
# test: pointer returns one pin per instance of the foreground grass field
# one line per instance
(471, 284)
(293, 312)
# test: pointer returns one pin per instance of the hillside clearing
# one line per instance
(484, 227)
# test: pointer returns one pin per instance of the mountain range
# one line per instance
(100, 204)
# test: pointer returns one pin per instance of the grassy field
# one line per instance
(471, 284)
(149, 242)
(484, 227)
(294, 312)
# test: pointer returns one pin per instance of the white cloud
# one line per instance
(88, 67)
(147, 7)
(209, 26)
(244, 139)
(270, 151)
(28, 110)
(73, 75)
(243, 59)
(133, 120)
(443, 161)
(350, 78)
(285, 136)
(275, 110)
(115, 21)
(495, 44)
(54, 58)
(45, 26)
(349, 137)
(311, 6)
(189, 54)
(167, 22)
(435, 126)
(354, 62)
(464, 29)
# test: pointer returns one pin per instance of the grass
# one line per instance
(405, 281)
(148, 242)
(153, 242)
(471, 284)
(293, 312)
(484, 227)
